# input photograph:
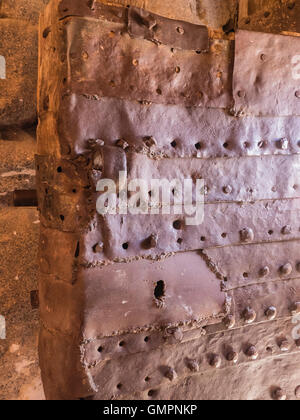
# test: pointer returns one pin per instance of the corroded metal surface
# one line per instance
(147, 306)
(270, 86)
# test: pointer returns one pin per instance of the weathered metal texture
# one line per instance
(146, 306)
(194, 129)
(181, 77)
(129, 287)
(273, 16)
(255, 264)
(176, 34)
(155, 364)
(214, 15)
(266, 74)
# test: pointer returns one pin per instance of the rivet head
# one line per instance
(241, 94)
(123, 144)
(297, 94)
(249, 315)
(297, 342)
(193, 365)
(264, 272)
(180, 30)
(298, 267)
(227, 189)
(171, 374)
(229, 321)
(286, 269)
(247, 235)
(215, 361)
(149, 141)
(252, 353)
(284, 345)
(98, 248)
(286, 230)
(233, 357)
(271, 313)
(295, 308)
(297, 392)
(279, 395)
(283, 144)
(174, 332)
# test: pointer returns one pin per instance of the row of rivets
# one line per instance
(150, 142)
(249, 315)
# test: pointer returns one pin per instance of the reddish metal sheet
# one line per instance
(177, 76)
(194, 129)
(266, 74)
(177, 34)
(156, 364)
(255, 264)
(117, 292)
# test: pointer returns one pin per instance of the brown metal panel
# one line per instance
(194, 129)
(267, 301)
(262, 62)
(117, 293)
(180, 77)
(155, 365)
(241, 179)
(214, 15)
(255, 263)
(223, 225)
(177, 34)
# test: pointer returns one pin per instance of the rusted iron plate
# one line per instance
(177, 76)
(143, 24)
(224, 224)
(266, 74)
(194, 129)
(264, 380)
(177, 34)
(116, 294)
(156, 364)
(252, 264)
(91, 9)
(214, 15)
(272, 16)
(269, 301)
(263, 302)
(236, 179)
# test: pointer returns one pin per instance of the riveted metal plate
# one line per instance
(177, 76)
(252, 264)
(193, 129)
(273, 16)
(257, 381)
(214, 16)
(117, 293)
(236, 179)
(177, 34)
(222, 226)
(262, 63)
(154, 364)
(280, 295)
